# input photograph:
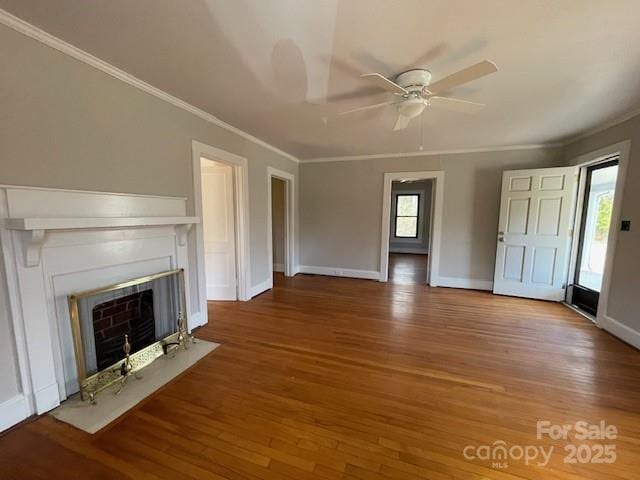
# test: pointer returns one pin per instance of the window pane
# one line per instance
(407, 205)
(407, 227)
(596, 229)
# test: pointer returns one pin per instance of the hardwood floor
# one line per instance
(408, 269)
(326, 378)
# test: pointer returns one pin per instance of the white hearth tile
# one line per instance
(92, 418)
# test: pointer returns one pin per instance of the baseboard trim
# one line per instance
(197, 320)
(339, 272)
(416, 251)
(468, 283)
(13, 411)
(261, 287)
(278, 267)
(47, 398)
(622, 331)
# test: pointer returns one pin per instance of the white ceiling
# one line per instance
(267, 66)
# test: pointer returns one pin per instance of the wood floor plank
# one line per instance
(331, 378)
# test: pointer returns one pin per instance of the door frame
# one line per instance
(241, 214)
(435, 227)
(289, 220)
(622, 149)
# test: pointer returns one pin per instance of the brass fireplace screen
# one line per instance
(121, 328)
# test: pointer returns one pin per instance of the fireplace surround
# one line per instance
(58, 242)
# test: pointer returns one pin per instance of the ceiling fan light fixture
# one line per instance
(411, 107)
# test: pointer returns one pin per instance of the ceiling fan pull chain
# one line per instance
(421, 148)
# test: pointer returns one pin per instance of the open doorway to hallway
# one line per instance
(278, 224)
(281, 215)
(409, 231)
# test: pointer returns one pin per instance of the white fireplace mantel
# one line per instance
(38, 228)
(57, 242)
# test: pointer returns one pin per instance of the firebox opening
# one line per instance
(131, 315)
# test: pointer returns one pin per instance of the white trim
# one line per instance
(427, 153)
(435, 225)
(90, 192)
(620, 330)
(261, 287)
(469, 283)
(622, 149)
(290, 240)
(71, 223)
(278, 267)
(339, 272)
(13, 411)
(603, 126)
(241, 200)
(45, 38)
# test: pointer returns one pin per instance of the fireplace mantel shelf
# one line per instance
(39, 226)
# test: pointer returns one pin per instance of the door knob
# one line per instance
(501, 239)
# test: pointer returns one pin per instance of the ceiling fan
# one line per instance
(415, 91)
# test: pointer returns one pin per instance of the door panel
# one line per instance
(544, 261)
(535, 232)
(549, 210)
(218, 220)
(518, 215)
(514, 262)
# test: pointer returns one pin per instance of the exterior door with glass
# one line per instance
(597, 205)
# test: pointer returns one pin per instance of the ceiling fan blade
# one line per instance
(401, 123)
(427, 57)
(456, 104)
(353, 95)
(463, 76)
(383, 82)
(368, 107)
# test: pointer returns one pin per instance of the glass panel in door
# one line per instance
(594, 233)
(596, 227)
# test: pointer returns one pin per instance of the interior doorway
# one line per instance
(412, 205)
(409, 230)
(278, 234)
(281, 220)
(218, 223)
(597, 193)
(240, 219)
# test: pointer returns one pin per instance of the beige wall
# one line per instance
(277, 219)
(624, 303)
(65, 124)
(341, 208)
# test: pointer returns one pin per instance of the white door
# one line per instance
(218, 221)
(534, 232)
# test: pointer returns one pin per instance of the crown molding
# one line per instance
(602, 127)
(56, 43)
(427, 153)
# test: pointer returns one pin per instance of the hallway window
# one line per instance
(406, 215)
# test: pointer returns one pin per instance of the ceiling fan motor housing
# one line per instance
(414, 79)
